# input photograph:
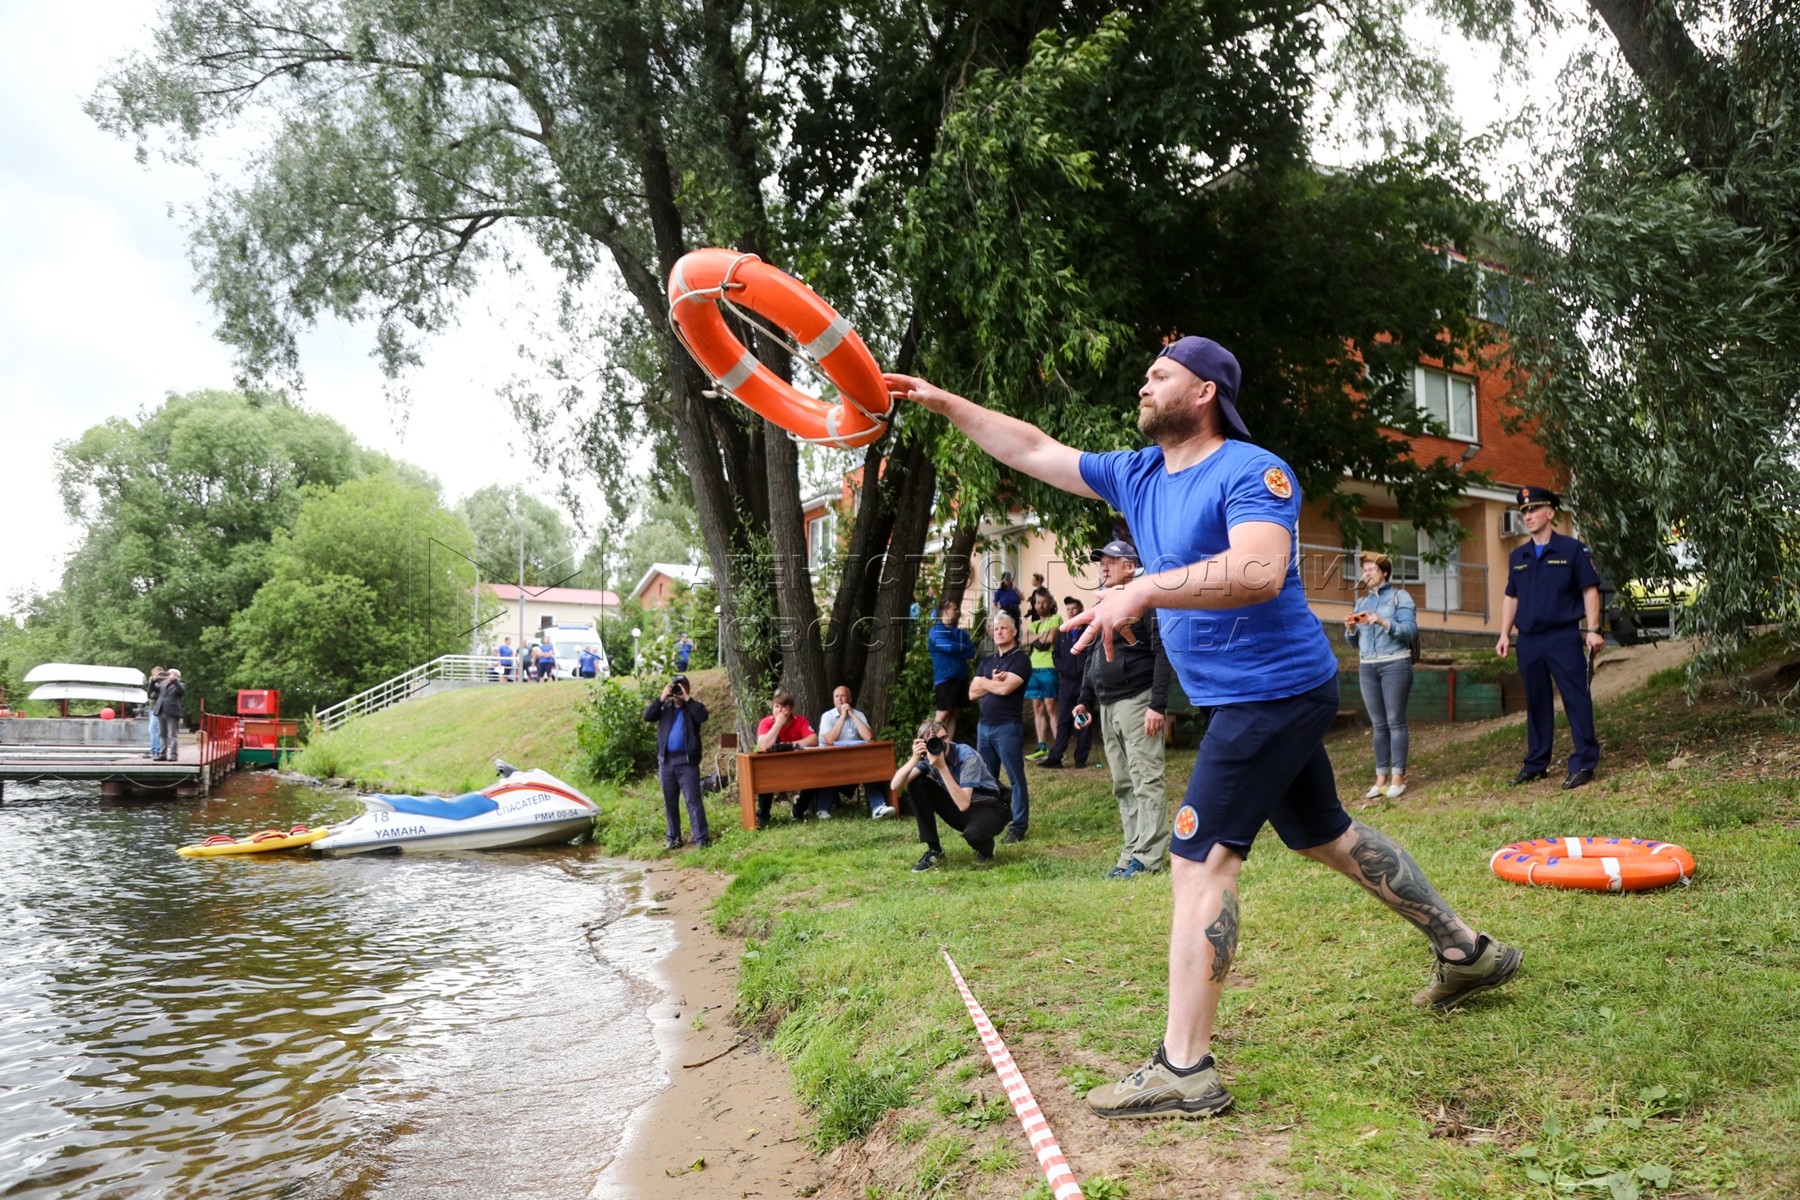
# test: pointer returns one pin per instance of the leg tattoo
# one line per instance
(1223, 934)
(1390, 873)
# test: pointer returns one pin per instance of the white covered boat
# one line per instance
(522, 808)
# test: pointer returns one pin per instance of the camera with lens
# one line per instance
(934, 746)
(679, 685)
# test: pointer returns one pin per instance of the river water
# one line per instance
(436, 1026)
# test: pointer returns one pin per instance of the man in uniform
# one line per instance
(1553, 596)
(1215, 521)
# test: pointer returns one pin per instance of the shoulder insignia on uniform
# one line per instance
(1276, 480)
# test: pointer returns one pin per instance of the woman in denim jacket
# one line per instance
(1383, 629)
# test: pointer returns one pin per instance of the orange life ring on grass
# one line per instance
(704, 279)
(1595, 864)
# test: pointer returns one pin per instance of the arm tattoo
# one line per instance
(1223, 933)
(1390, 873)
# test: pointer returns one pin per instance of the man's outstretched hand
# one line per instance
(1111, 616)
(919, 391)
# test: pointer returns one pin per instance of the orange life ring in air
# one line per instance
(1595, 864)
(703, 279)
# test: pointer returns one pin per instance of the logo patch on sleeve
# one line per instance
(1186, 821)
(1276, 480)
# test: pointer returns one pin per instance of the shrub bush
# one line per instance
(616, 743)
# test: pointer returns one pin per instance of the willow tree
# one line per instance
(878, 150)
(1661, 327)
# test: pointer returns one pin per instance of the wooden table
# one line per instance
(798, 770)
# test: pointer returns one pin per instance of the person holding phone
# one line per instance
(999, 690)
(1384, 629)
(948, 780)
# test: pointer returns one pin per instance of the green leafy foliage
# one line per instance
(372, 580)
(179, 509)
(498, 516)
(1658, 326)
(1070, 183)
(616, 743)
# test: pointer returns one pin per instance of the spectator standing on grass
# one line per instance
(845, 725)
(951, 649)
(1131, 692)
(999, 689)
(948, 781)
(1040, 690)
(1384, 628)
(168, 714)
(1217, 521)
(503, 658)
(678, 718)
(1553, 596)
(684, 651)
(1069, 667)
(1006, 596)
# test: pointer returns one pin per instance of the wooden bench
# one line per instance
(800, 770)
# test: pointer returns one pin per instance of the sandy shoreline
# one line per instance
(736, 1112)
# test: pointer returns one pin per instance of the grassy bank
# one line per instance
(1650, 1045)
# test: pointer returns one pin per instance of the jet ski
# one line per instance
(521, 808)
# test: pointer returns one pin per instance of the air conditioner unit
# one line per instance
(1512, 523)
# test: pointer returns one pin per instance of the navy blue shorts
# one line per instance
(1263, 761)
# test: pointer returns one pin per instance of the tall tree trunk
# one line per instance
(957, 570)
(886, 636)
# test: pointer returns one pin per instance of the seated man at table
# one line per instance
(948, 780)
(843, 725)
(782, 729)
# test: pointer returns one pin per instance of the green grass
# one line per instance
(1649, 1046)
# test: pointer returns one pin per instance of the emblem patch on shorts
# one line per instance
(1276, 480)
(1186, 822)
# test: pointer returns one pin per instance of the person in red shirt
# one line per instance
(782, 729)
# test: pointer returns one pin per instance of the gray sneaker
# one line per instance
(1452, 983)
(1155, 1090)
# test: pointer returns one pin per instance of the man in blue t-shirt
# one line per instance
(951, 649)
(1215, 520)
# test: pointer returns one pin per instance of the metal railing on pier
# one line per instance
(455, 668)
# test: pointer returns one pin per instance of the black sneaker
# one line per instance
(984, 859)
(1013, 836)
(928, 860)
(673, 843)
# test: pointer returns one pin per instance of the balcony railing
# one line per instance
(1332, 575)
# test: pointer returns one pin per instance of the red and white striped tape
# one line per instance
(1025, 1105)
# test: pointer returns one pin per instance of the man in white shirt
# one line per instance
(843, 725)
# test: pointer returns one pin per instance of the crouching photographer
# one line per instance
(948, 780)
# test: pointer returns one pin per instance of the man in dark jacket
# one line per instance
(1132, 694)
(1070, 667)
(153, 689)
(168, 715)
(678, 717)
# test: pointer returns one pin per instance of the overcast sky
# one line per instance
(98, 317)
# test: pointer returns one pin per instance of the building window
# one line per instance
(821, 538)
(1450, 399)
(1405, 553)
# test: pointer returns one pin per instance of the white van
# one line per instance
(569, 641)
